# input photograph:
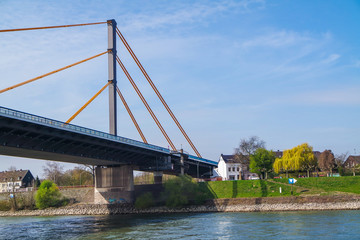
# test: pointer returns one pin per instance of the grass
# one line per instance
(270, 188)
(328, 184)
(249, 188)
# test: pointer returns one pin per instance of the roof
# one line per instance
(353, 159)
(231, 158)
(7, 175)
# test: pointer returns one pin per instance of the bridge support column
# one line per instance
(158, 177)
(114, 185)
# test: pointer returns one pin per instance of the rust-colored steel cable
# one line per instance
(145, 103)
(131, 115)
(87, 103)
(49, 27)
(47, 74)
(156, 91)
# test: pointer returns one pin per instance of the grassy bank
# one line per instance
(250, 188)
(328, 184)
(270, 188)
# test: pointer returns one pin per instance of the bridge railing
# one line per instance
(54, 123)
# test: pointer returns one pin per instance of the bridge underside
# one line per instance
(31, 140)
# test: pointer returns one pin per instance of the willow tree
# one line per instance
(298, 158)
(286, 163)
(306, 158)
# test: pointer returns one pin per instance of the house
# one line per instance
(352, 161)
(231, 168)
(18, 181)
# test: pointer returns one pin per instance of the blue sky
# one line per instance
(286, 71)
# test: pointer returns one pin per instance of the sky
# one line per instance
(285, 71)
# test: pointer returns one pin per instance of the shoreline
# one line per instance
(275, 204)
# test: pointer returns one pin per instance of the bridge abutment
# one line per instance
(114, 184)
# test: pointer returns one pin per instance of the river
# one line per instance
(273, 225)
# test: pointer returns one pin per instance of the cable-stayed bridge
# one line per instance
(27, 135)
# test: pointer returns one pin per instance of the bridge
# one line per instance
(30, 136)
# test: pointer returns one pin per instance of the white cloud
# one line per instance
(331, 58)
(342, 96)
(182, 13)
(277, 39)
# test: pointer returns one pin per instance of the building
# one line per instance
(231, 168)
(352, 161)
(18, 181)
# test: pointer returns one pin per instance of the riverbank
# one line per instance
(269, 204)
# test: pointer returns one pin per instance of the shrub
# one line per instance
(48, 195)
(145, 200)
(181, 191)
(5, 206)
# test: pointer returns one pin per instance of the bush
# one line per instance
(5, 206)
(181, 191)
(48, 195)
(145, 200)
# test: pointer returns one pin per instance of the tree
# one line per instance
(261, 162)
(53, 171)
(339, 161)
(180, 190)
(249, 146)
(300, 157)
(246, 148)
(77, 176)
(37, 182)
(48, 195)
(91, 168)
(327, 161)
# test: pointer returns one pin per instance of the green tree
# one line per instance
(181, 190)
(247, 147)
(261, 162)
(37, 182)
(48, 195)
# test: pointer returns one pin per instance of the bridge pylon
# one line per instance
(112, 76)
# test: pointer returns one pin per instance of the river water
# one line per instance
(278, 225)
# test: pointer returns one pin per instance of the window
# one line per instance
(231, 177)
(233, 169)
(238, 169)
(229, 169)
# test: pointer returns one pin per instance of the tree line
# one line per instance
(253, 155)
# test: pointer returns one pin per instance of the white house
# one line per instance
(230, 168)
(18, 180)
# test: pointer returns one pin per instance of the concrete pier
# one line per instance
(114, 185)
(158, 177)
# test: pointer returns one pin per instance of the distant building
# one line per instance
(352, 161)
(19, 181)
(231, 168)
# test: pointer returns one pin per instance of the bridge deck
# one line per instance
(36, 134)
